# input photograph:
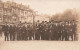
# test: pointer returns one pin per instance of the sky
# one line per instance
(50, 6)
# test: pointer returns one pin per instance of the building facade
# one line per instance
(11, 12)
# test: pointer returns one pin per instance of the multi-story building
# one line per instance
(42, 17)
(1, 11)
(11, 12)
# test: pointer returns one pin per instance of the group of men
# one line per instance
(53, 30)
(17, 32)
(56, 30)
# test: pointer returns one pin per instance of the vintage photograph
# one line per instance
(39, 24)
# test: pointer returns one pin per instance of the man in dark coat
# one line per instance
(47, 31)
(63, 31)
(74, 30)
(42, 31)
(59, 31)
(0, 31)
(38, 32)
(19, 32)
(30, 33)
(23, 33)
(6, 33)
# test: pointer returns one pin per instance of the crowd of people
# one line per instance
(57, 30)
(52, 30)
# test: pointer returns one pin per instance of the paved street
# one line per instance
(39, 45)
